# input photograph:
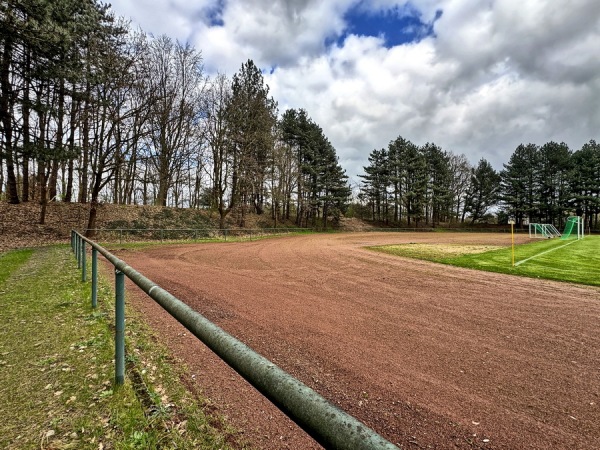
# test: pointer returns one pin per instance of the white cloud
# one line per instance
(272, 33)
(497, 72)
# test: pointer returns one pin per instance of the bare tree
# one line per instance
(460, 169)
(174, 126)
(282, 180)
(224, 183)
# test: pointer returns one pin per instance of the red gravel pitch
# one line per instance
(429, 356)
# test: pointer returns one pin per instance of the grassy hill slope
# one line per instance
(19, 224)
(20, 228)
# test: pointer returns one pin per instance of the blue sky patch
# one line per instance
(214, 14)
(398, 25)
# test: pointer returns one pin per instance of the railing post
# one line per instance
(94, 277)
(83, 262)
(119, 327)
(77, 251)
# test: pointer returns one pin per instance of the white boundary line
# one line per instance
(543, 253)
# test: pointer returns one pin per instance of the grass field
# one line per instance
(57, 370)
(554, 259)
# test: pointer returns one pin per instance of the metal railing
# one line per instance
(328, 425)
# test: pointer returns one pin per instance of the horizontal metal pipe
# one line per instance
(327, 424)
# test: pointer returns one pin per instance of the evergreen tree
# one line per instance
(333, 184)
(585, 183)
(251, 120)
(520, 184)
(438, 195)
(400, 151)
(415, 182)
(321, 182)
(483, 190)
(555, 168)
(376, 181)
(297, 131)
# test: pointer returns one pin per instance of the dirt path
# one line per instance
(429, 356)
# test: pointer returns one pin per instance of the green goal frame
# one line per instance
(573, 228)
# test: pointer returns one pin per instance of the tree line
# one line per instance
(416, 185)
(92, 111)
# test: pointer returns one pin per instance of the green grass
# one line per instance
(578, 262)
(9, 262)
(57, 370)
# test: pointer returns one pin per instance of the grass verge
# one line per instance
(57, 369)
(554, 259)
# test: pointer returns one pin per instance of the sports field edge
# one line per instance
(577, 263)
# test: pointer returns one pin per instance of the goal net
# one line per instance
(543, 231)
(573, 228)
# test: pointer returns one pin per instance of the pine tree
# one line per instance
(438, 201)
(520, 182)
(555, 167)
(415, 182)
(376, 182)
(321, 182)
(483, 190)
(397, 151)
(585, 182)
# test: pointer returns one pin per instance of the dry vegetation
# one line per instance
(429, 251)
(19, 224)
(20, 228)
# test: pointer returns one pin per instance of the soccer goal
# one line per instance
(573, 228)
(543, 231)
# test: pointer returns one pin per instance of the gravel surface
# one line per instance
(429, 356)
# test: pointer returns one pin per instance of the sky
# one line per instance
(477, 77)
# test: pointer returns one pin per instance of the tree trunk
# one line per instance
(58, 146)
(117, 191)
(83, 182)
(145, 186)
(43, 183)
(26, 130)
(130, 176)
(222, 216)
(6, 117)
(164, 172)
(41, 173)
(90, 231)
(70, 169)
(242, 223)
(53, 181)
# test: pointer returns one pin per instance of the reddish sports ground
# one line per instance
(428, 355)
